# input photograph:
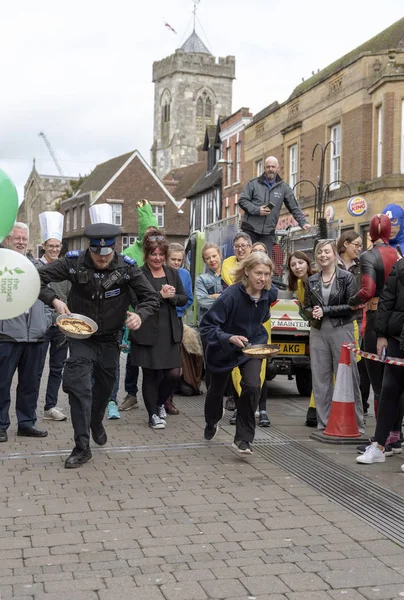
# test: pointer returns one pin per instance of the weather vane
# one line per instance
(196, 2)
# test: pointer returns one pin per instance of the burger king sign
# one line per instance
(357, 206)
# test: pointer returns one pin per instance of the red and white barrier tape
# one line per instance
(389, 360)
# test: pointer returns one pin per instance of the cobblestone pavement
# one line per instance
(163, 515)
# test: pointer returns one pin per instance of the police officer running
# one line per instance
(104, 284)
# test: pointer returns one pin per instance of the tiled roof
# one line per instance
(103, 173)
(186, 178)
(207, 181)
(194, 44)
(392, 37)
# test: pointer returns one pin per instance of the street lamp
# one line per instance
(321, 190)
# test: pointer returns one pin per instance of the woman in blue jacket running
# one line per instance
(236, 318)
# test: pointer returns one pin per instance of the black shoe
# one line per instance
(3, 435)
(99, 434)
(77, 458)
(233, 418)
(210, 432)
(31, 432)
(230, 404)
(263, 420)
(242, 447)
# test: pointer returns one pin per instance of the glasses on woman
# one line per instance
(240, 246)
(156, 238)
(357, 244)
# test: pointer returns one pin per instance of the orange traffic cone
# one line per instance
(342, 421)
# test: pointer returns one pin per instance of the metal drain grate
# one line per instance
(371, 502)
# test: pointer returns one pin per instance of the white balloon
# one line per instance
(19, 284)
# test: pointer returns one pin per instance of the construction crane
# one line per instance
(51, 152)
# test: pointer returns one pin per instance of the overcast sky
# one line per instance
(81, 70)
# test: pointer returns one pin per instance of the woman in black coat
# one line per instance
(156, 344)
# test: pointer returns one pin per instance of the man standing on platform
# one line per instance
(262, 200)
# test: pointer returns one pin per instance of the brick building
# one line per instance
(356, 104)
(121, 182)
(232, 152)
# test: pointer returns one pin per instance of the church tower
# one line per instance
(192, 88)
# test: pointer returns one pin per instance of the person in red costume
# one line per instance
(375, 267)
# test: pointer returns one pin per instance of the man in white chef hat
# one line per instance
(51, 223)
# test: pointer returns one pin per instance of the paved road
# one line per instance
(166, 516)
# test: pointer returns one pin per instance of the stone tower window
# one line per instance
(165, 115)
(204, 114)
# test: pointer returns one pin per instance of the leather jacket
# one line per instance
(337, 310)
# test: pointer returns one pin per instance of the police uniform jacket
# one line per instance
(104, 295)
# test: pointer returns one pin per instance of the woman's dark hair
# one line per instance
(348, 236)
(152, 241)
(292, 279)
(150, 231)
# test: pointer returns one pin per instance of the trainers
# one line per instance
(362, 448)
(128, 403)
(394, 448)
(161, 413)
(156, 423)
(233, 418)
(371, 455)
(3, 435)
(257, 414)
(170, 407)
(242, 447)
(54, 414)
(210, 432)
(113, 412)
(402, 468)
(263, 420)
(230, 404)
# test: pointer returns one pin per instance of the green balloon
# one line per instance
(8, 205)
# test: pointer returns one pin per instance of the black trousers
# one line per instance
(247, 402)
(375, 369)
(26, 357)
(158, 386)
(391, 401)
(57, 356)
(88, 379)
(267, 240)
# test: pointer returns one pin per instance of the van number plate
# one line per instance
(287, 348)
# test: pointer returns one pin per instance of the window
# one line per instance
(228, 166)
(209, 209)
(128, 240)
(402, 138)
(116, 214)
(83, 243)
(293, 162)
(67, 220)
(238, 161)
(204, 112)
(335, 164)
(74, 218)
(259, 167)
(379, 116)
(158, 212)
(82, 215)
